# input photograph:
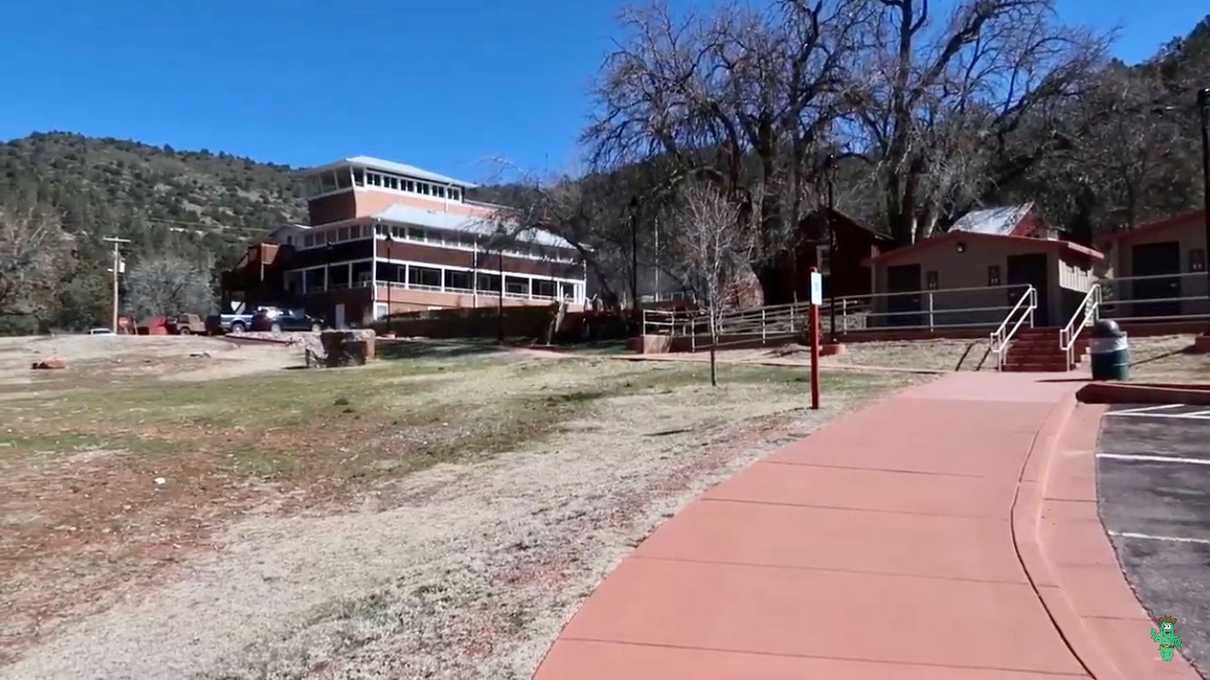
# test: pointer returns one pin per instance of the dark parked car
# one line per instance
(186, 324)
(278, 320)
(217, 324)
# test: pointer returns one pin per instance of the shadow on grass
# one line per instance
(394, 350)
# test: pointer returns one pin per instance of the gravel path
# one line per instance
(460, 571)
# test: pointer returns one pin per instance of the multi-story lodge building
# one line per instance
(389, 238)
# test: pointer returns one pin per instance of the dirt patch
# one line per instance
(1168, 358)
(446, 527)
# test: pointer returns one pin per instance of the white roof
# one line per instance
(473, 225)
(391, 166)
(999, 221)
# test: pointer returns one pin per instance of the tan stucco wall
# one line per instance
(1191, 235)
(969, 270)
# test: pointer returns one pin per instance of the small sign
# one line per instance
(816, 288)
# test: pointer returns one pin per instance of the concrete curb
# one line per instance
(1067, 555)
(1144, 393)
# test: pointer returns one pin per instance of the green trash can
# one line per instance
(1110, 351)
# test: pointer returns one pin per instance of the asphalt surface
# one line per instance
(1153, 487)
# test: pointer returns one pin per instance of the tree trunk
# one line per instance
(713, 346)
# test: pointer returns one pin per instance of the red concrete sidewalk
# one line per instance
(880, 547)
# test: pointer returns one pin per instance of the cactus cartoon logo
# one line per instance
(1167, 637)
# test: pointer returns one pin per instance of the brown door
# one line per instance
(904, 279)
(1031, 269)
(1156, 259)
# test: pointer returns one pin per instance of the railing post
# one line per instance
(762, 326)
(930, 311)
(791, 319)
(1033, 304)
(844, 315)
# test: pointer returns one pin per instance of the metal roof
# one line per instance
(1001, 221)
(481, 226)
(372, 163)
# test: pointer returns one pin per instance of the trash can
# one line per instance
(1110, 351)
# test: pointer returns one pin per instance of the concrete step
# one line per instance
(1059, 366)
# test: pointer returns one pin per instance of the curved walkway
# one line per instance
(915, 538)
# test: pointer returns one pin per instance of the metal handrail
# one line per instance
(1002, 336)
(1087, 313)
(968, 289)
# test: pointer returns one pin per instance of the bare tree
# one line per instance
(947, 111)
(714, 249)
(169, 285)
(32, 255)
(740, 98)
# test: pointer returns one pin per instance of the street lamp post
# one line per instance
(1203, 103)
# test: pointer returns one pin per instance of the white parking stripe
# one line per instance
(1131, 414)
(1174, 539)
(1154, 459)
(1144, 409)
(1199, 413)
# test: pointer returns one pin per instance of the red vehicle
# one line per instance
(154, 325)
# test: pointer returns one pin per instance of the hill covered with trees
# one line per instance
(194, 204)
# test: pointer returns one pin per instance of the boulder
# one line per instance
(50, 363)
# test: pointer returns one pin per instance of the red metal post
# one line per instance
(814, 352)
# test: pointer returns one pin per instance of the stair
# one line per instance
(1037, 350)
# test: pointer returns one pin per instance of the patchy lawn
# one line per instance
(435, 514)
(1168, 359)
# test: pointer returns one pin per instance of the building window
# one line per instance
(359, 177)
(424, 276)
(374, 179)
(416, 234)
(544, 288)
(424, 188)
(409, 185)
(993, 275)
(457, 279)
(455, 194)
(343, 179)
(397, 232)
(342, 234)
(933, 280)
(1197, 260)
(516, 286)
(394, 182)
(309, 241)
(440, 191)
(489, 282)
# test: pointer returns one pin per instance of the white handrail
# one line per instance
(1002, 336)
(1086, 313)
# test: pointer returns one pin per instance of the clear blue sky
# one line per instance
(440, 85)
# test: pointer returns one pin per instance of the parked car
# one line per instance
(186, 324)
(100, 331)
(217, 324)
(153, 325)
(278, 320)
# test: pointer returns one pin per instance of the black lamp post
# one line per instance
(1203, 103)
(831, 246)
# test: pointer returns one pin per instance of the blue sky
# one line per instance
(441, 85)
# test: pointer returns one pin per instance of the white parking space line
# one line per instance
(1199, 414)
(1145, 409)
(1149, 537)
(1133, 414)
(1154, 459)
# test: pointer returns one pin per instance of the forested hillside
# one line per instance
(200, 205)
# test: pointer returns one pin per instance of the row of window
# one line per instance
(344, 178)
(322, 237)
(360, 273)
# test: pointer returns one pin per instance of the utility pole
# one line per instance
(831, 247)
(634, 257)
(117, 265)
(1203, 103)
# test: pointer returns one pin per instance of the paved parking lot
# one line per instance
(1153, 470)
